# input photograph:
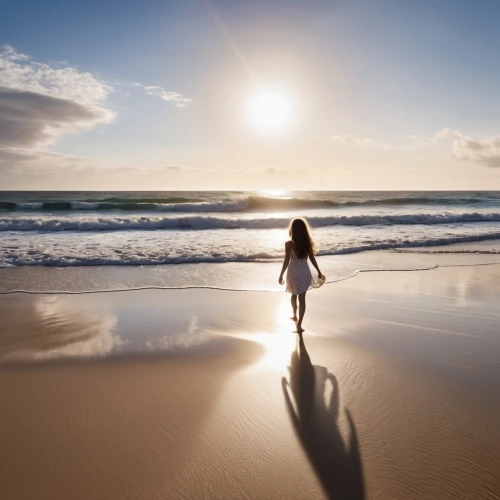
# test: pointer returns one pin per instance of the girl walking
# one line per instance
(299, 279)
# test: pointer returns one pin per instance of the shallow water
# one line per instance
(234, 276)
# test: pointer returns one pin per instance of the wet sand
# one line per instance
(394, 392)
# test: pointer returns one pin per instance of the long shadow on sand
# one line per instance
(337, 465)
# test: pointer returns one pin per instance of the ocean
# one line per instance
(171, 228)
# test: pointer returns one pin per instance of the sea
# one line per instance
(224, 237)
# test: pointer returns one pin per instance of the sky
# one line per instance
(249, 94)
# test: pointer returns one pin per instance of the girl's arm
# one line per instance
(315, 264)
(288, 248)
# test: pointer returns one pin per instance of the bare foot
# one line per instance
(299, 330)
(294, 318)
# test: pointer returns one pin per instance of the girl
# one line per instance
(299, 278)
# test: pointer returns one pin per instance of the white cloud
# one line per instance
(39, 103)
(18, 71)
(483, 151)
(169, 96)
(349, 140)
(10, 54)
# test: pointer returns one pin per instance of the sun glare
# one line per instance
(269, 111)
(275, 193)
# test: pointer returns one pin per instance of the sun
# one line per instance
(269, 111)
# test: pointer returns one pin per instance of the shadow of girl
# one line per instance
(337, 465)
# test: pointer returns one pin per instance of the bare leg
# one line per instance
(293, 300)
(302, 311)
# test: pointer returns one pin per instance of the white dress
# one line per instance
(298, 276)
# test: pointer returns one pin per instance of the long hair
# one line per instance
(300, 234)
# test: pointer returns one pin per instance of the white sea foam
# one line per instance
(234, 206)
(84, 205)
(139, 248)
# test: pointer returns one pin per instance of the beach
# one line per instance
(249, 250)
(393, 392)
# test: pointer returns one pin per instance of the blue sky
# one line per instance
(389, 94)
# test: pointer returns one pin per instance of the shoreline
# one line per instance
(221, 276)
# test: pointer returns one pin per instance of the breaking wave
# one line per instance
(213, 222)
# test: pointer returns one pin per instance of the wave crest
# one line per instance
(199, 222)
(172, 205)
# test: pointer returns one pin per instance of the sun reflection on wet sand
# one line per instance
(279, 341)
(55, 327)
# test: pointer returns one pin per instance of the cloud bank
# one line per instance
(483, 151)
(40, 103)
(29, 119)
